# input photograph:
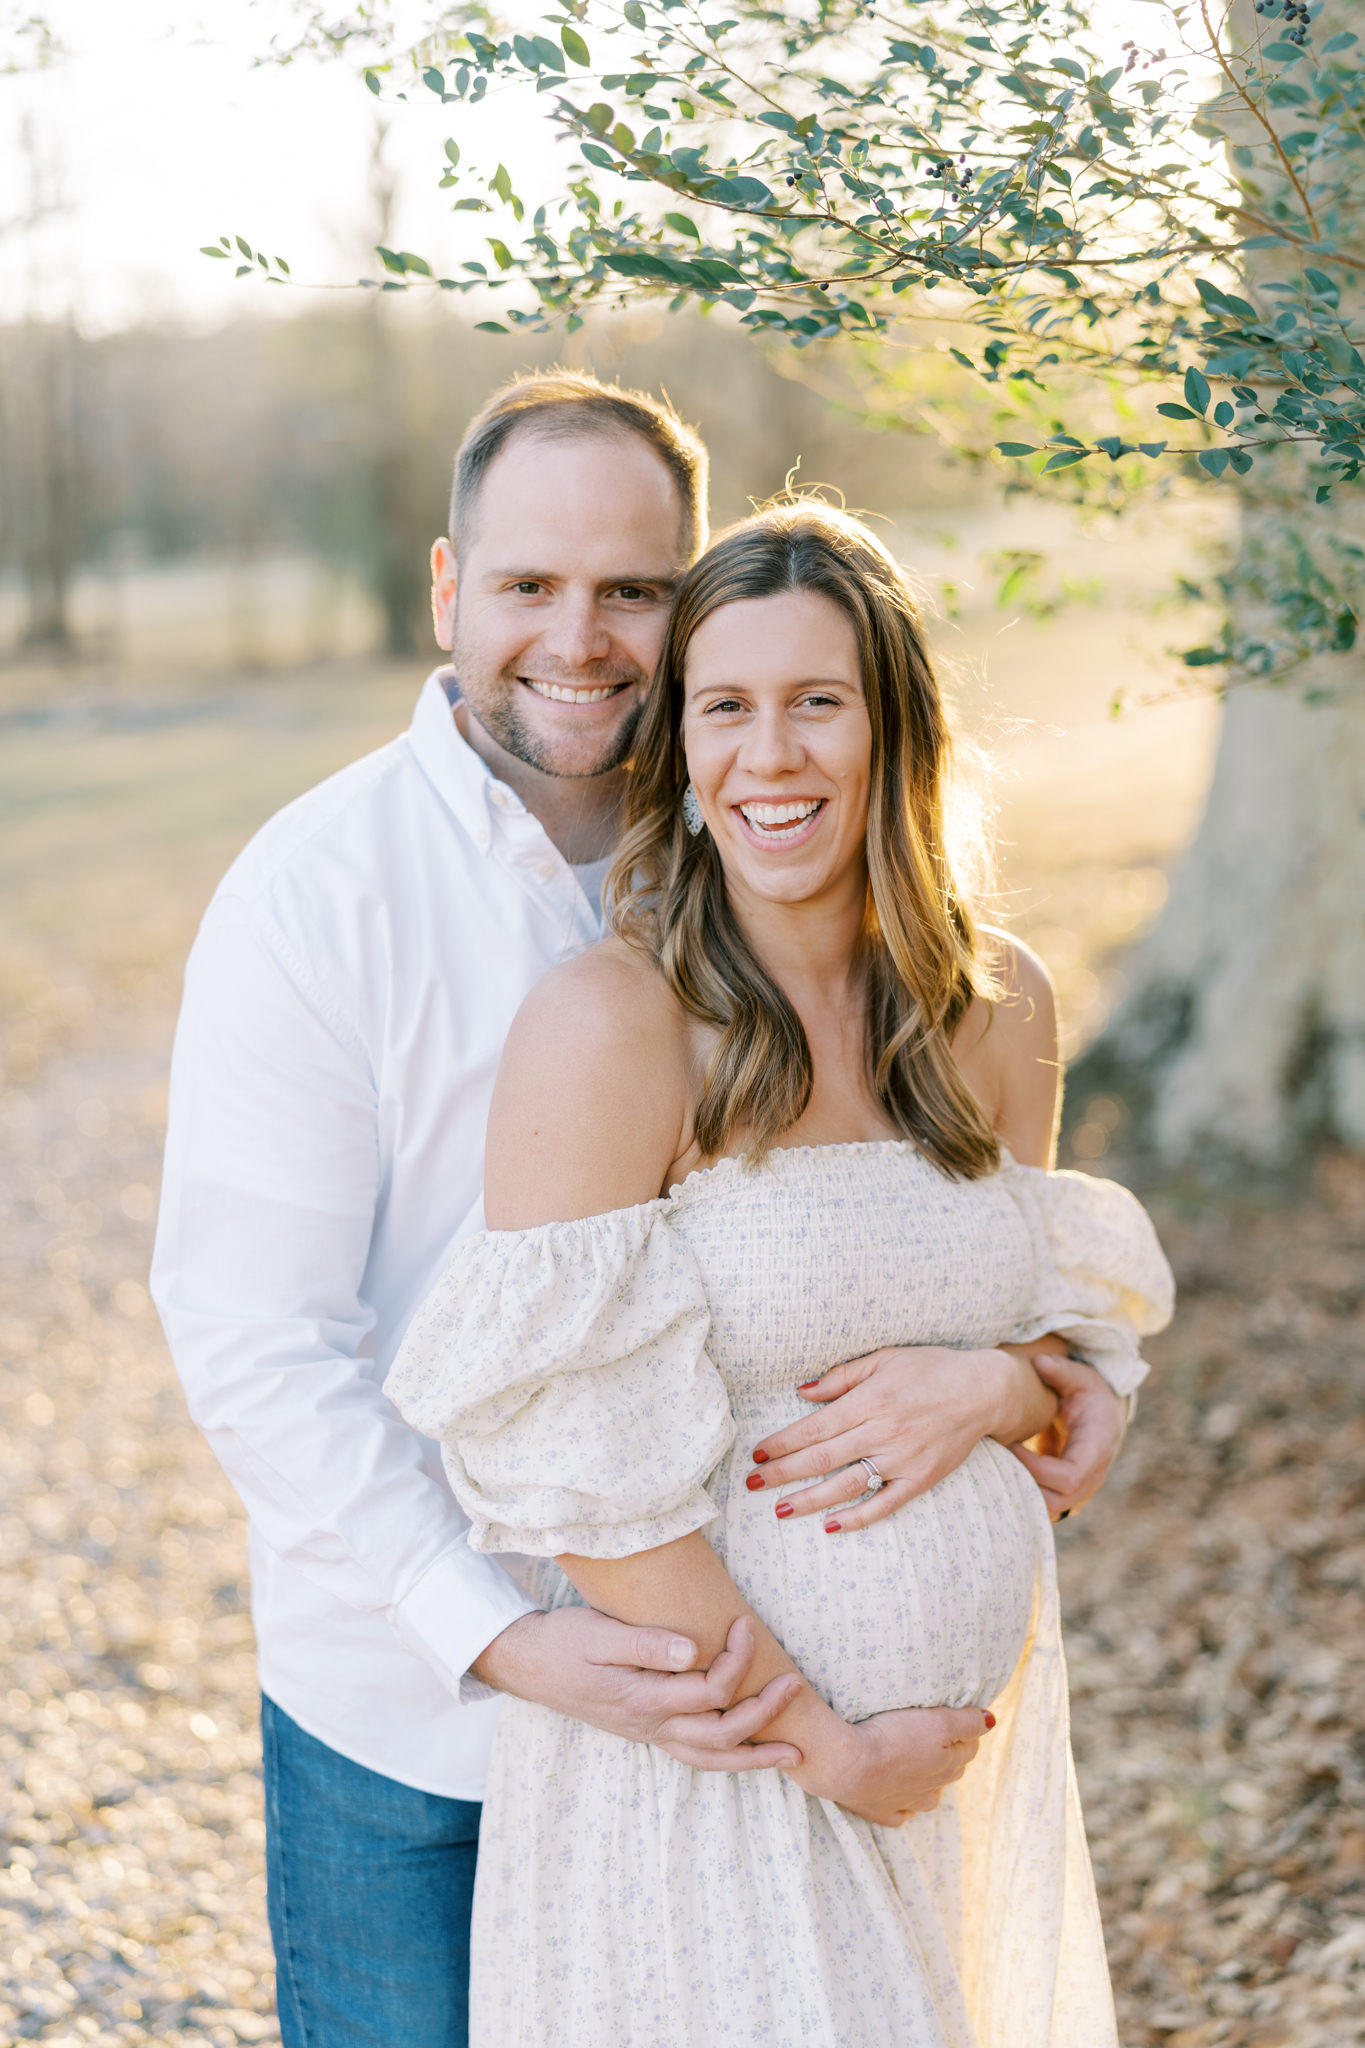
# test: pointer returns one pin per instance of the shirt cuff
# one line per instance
(453, 1613)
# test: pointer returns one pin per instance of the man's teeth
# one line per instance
(781, 814)
(558, 695)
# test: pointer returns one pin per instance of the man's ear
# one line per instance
(445, 578)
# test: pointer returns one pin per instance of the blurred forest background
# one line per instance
(212, 594)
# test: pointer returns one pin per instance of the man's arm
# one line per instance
(268, 1205)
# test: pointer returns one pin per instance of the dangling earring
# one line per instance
(692, 812)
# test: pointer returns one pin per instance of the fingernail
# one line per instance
(754, 1481)
(679, 1652)
(806, 1386)
(783, 1509)
(990, 1720)
(760, 1457)
(833, 1528)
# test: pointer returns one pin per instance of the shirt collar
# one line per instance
(446, 758)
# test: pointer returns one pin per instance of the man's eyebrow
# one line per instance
(668, 583)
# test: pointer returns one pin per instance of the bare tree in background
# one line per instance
(41, 375)
(401, 522)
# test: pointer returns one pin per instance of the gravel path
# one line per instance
(1215, 1596)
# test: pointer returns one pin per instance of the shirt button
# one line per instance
(482, 836)
(499, 797)
(545, 869)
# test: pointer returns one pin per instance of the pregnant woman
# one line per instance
(794, 1111)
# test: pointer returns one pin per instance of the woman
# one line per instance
(774, 1123)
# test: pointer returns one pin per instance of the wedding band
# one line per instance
(874, 1478)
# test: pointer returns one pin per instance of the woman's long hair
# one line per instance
(667, 887)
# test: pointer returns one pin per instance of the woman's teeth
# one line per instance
(780, 821)
(559, 695)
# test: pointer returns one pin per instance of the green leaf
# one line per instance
(681, 225)
(1197, 392)
(1204, 657)
(433, 80)
(501, 183)
(1176, 412)
(210, 251)
(1064, 459)
(634, 13)
(623, 138)
(245, 248)
(453, 151)
(599, 117)
(1341, 42)
(1223, 413)
(372, 81)
(603, 158)
(1152, 448)
(1326, 287)
(1338, 352)
(1214, 460)
(391, 260)
(417, 263)
(490, 327)
(502, 255)
(574, 45)
(1015, 448)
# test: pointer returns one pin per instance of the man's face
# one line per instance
(556, 615)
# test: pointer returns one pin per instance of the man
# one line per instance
(345, 1005)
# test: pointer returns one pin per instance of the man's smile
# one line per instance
(559, 693)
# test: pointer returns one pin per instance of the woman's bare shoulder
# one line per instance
(1007, 1048)
(591, 1094)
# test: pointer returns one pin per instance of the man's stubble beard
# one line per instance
(493, 702)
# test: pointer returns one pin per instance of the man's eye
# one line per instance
(528, 589)
(631, 591)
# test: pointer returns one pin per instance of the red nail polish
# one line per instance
(832, 1528)
(806, 1386)
(783, 1509)
(760, 1457)
(990, 1720)
(754, 1481)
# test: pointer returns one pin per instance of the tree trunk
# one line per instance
(1245, 1033)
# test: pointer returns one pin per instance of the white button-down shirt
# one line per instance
(346, 1003)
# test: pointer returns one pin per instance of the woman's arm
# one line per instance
(589, 1113)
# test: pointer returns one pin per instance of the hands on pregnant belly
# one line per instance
(916, 1411)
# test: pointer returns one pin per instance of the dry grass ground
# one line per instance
(1214, 1593)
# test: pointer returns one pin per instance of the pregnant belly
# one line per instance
(930, 1607)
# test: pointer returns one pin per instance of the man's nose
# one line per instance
(578, 634)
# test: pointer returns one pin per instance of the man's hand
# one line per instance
(638, 1682)
(899, 1763)
(1077, 1449)
(917, 1411)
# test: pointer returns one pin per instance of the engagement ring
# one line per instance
(874, 1477)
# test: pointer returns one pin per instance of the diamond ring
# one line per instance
(874, 1478)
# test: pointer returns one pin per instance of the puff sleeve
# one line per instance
(564, 1372)
(1101, 1279)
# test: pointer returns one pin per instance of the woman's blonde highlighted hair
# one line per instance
(667, 887)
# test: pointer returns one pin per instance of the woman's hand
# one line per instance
(896, 1764)
(916, 1411)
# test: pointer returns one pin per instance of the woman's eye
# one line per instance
(726, 704)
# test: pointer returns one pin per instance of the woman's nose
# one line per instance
(772, 746)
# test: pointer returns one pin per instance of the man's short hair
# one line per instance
(562, 405)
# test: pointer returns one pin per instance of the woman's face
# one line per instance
(779, 745)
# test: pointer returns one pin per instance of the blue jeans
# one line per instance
(370, 1886)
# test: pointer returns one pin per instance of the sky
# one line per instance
(161, 132)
